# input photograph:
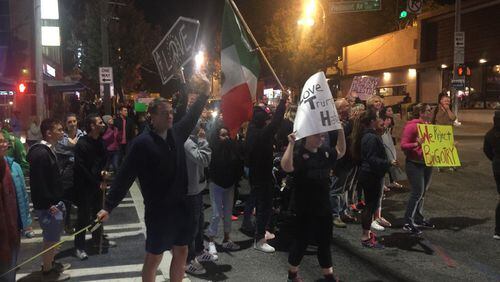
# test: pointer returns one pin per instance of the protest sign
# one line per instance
(438, 145)
(316, 112)
(363, 86)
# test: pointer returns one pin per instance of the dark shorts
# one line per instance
(174, 229)
(51, 225)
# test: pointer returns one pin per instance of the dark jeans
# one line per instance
(371, 185)
(338, 196)
(496, 173)
(113, 160)
(318, 228)
(87, 210)
(419, 176)
(264, 203)
(195, 202)
(249, 206)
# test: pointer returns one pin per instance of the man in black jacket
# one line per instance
(158, 159)
(47, 195)
(90, 159)
(260, 140)
(492, 151)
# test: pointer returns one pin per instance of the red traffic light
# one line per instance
(22, 87)
(463, 70)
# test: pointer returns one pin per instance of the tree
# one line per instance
(131, 41)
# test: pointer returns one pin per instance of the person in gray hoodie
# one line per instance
(198, 156)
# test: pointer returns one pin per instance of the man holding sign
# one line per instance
(311, 165)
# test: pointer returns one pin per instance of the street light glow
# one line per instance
(444, 66)
(387, 76)
(482, 61)
(306, 22)
(199, 59)
(412, 73)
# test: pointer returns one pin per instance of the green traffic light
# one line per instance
(403, 14)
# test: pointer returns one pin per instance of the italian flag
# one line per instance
(240, 72)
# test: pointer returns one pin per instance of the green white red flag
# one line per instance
(240, 72)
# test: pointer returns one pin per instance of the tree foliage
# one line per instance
(131, 40)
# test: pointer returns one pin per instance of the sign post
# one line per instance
(176, 48)
(106, 86)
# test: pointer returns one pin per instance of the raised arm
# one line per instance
(272, 128)
(341, 145)
(287, 159)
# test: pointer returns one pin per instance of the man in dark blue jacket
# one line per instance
(158, 159)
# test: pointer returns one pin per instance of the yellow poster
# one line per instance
(438, 145)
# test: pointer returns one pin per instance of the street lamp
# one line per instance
(199, 60)
(307, 19)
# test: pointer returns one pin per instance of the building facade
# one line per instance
(417, 62)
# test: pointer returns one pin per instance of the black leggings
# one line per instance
(372, 188)
(318, 229)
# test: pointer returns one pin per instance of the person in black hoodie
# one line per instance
(90, 160)
(225, 170)
(158, 159)
(47, 195)
(259, 150)
(491, 149)
(369, 152)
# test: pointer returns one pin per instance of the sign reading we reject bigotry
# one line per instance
(438, 145)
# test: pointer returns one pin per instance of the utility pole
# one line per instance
(105, 54)
(458, 8)
(40, 100)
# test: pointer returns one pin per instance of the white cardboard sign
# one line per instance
(316, 112)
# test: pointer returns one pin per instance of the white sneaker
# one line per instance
(376, 226)
(194, 267)
(496, 236)
(212, 250)
(263, 246)
(206, 256)
(269, 235)
(230, 246)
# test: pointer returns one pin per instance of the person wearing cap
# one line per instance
(111, 142)
(491, 149)
(259, 150)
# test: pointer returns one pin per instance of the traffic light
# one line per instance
(403, 15)
(463, 70)
(21, 87)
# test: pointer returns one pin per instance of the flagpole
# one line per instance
(237, 11)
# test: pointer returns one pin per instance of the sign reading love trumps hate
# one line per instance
(316, 112)
(438, 145)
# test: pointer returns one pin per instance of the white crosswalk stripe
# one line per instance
(80, 274)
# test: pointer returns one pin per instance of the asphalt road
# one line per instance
(461, 248)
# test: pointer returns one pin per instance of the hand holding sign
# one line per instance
(316, 112)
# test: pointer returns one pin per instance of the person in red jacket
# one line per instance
(9, 224)
(111, 139)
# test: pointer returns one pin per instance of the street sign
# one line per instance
(106, 75)
(459, 48)
(176, 48)
(355, 6)
(414, 6)
(458, 84)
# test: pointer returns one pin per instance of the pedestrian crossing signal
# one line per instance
(463, 70)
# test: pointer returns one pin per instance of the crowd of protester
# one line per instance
(85, 168)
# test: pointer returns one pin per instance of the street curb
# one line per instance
(377, 264)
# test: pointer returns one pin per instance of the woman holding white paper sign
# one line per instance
(419, 175)
(311, 165)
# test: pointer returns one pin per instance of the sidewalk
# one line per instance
(472, 129)
(461, 204)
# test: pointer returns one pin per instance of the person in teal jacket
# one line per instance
(23, 204)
